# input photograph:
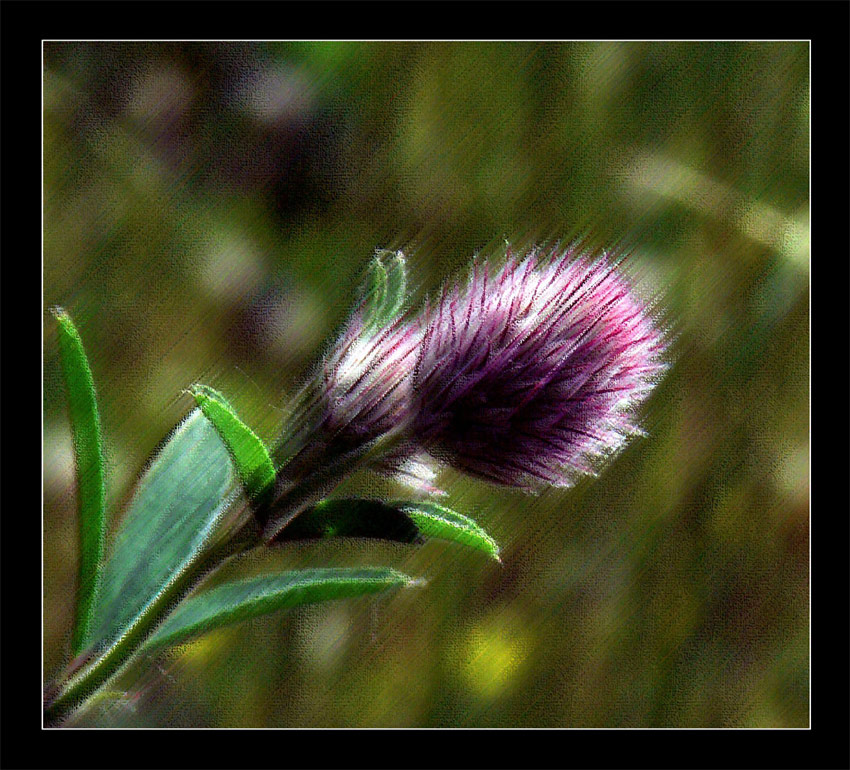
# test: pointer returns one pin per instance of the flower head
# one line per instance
(533, 375)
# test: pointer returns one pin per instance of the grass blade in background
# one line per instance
(181, 498)
(249, 454)
(88, 451)
(403, 522)
(237, 601)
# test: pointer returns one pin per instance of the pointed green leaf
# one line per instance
(237, 601)
(249, 454)
(180, 500)
(88, 451)
(386, 289)
(445, 524)
(375, 296)
(402, 522)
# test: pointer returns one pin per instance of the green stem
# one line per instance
(291, 498)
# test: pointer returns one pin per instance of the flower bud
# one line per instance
(361, 390)
(366, 380)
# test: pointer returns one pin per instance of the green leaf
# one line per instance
(180, 500)
(386, 289)
(237, 601)
(403, 522)
(249, 454)
(88, 450)
(445, 524)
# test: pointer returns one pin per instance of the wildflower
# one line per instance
(533, 375)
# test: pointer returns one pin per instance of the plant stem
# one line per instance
(291, 498)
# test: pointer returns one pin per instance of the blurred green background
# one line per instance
(208, 211)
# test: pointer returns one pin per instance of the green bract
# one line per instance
(386, 289)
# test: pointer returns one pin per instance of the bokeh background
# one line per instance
(209, 209)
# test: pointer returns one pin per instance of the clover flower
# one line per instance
(533, 375)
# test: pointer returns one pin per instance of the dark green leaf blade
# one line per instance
(353, 517)
(88, 451)
(182, 497)
(237, 601)
(437, 521)
(249, 454)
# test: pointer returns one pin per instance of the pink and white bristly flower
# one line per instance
(533, 375)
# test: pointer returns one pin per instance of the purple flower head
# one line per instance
(532, 375)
